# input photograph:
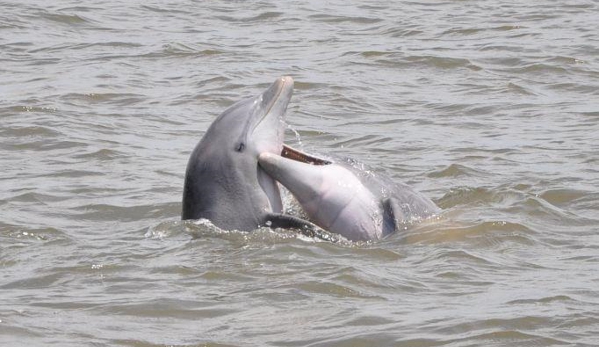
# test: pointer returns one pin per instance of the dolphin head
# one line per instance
(330, 194)
(257, 124)
(307, 180)
(223, 181)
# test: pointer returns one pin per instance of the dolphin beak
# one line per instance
(277, 96)
(269, 162)
(300, 178)
(267, 126)
(282, 169)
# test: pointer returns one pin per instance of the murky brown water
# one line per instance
(490, 108)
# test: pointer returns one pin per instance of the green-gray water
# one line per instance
(491, 108)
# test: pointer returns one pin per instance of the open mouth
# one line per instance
(294, 154)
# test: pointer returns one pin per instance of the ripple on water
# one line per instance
(472, 196)
(102, 212)
(69, 19)
(33, 197)
(103, 154)
(563, 197)
(29, 131)
(485, 233)
(401, 61)
(43, 145)
(117, 99)
(255, 19)
(38, 282)
(500, 336)
(170, 307)
(311, 288)
(22, 235)
(455, 170)
(334, 18)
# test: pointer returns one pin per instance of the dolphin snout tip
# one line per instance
(269, 162)
(266, 157)
(286, 80)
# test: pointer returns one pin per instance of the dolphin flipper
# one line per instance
(285, 221)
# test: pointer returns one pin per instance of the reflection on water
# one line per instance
(490, 109)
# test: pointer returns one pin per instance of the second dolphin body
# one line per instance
(343, 198)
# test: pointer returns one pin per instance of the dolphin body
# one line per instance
(223, 182)
(341, 196)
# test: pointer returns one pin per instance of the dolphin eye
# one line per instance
(240, 147)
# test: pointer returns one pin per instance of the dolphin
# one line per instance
(223, 182)
(344, 197)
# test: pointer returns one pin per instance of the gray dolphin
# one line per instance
(223, 182)
(343, 197)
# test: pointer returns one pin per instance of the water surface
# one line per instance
(490, 108)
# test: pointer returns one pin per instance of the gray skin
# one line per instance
(223, 182)
(343, 197)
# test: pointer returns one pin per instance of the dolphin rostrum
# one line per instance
(223, 182)
(344, 198)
